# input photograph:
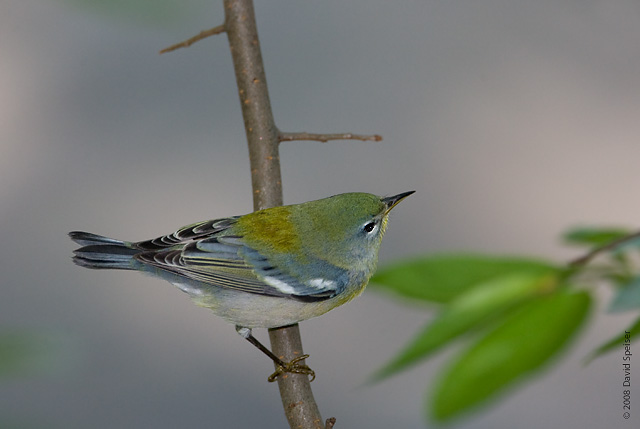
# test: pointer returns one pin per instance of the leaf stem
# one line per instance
(585, 259)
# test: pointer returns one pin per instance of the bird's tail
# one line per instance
(100, 252)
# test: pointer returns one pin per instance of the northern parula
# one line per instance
(266, 269)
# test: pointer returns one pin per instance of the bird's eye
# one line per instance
(370, 226)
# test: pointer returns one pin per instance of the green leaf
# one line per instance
(470, 311)
(526, 340)
(26, 352)
(615, 342)
(442, 278)
(592, 237)
(627, 298)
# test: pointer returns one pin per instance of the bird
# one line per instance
(270, 268)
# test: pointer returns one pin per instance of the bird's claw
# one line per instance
(294, 368)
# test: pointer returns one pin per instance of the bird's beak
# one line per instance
(391, 202)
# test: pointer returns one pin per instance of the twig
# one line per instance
(326, 137)
(585, 259)
(262, 137)
(329, 423)
(203, 35)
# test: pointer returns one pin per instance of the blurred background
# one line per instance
(512, 120)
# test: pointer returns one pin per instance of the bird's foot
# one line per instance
(293, 367)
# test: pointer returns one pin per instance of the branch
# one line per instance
(262, 137)
(585, 259)
(326, 137)
(203, 35)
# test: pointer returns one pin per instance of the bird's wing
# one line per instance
(221, 260)
(188, 233)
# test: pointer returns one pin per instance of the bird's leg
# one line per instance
(281, 366)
